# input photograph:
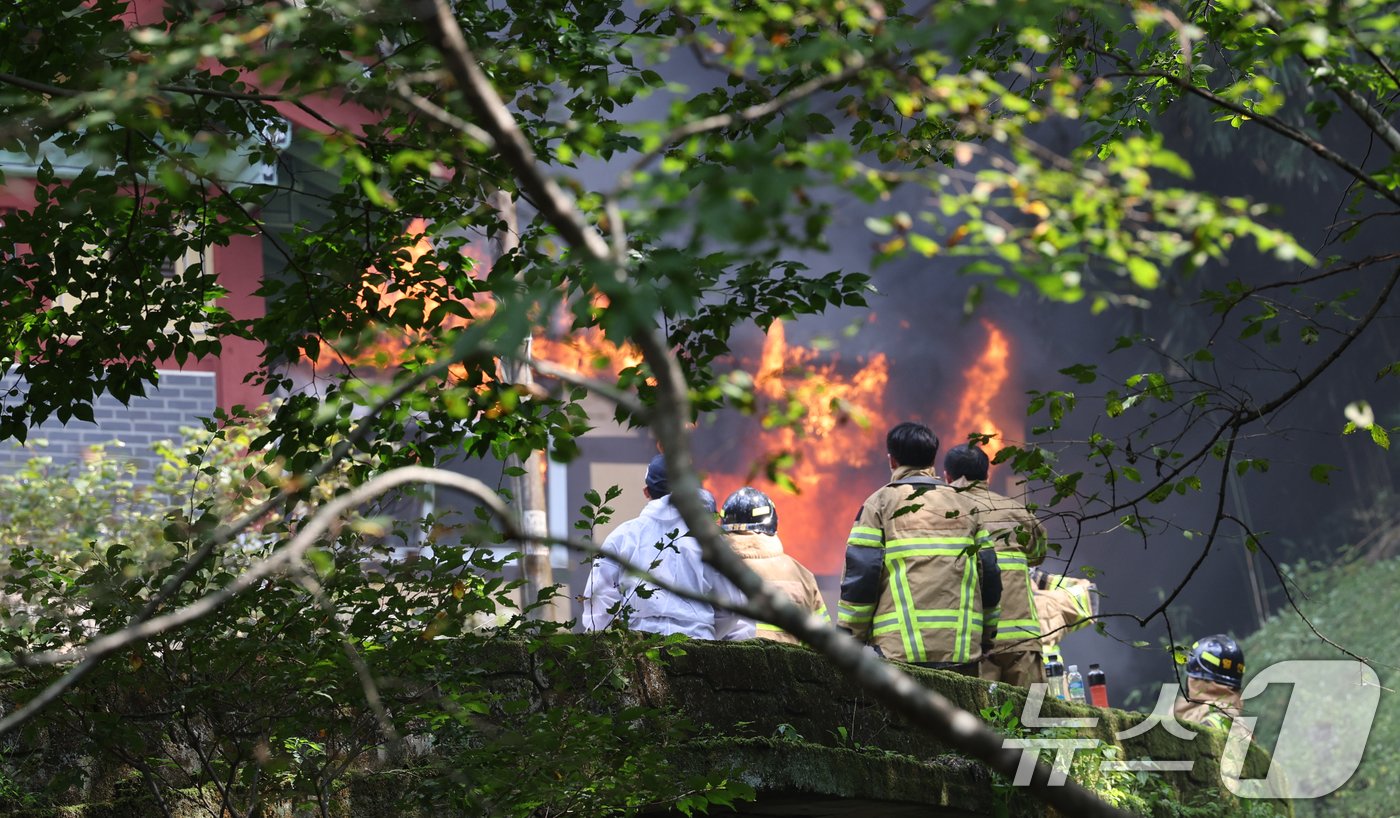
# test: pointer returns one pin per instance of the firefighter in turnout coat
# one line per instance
(911, 584)
(1214, 675)
(1011, 634)
(751, 520)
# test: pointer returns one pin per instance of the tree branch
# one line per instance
(1324, 70)
(1268, 122)
(446, 36)
(930, 710)
(719, 122)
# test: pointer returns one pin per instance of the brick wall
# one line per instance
(178, 401)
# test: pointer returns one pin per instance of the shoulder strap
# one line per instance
(919, 480)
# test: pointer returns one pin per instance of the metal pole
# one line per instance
(529, 487)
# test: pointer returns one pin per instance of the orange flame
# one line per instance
(588, 351)
(984, 380)
(833, 454)
(833, 461)
(584, 352)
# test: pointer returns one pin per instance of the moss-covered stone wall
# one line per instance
(784, 721)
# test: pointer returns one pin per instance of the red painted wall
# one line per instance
(239, 268)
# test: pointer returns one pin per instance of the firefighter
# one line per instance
(910, 587)
(1011, 633)
(657, 541)
(1214, 675)
(1062, 604)
(751, 520)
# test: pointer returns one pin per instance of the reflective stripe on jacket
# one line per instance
(1020, 542)
(764, 554)
(911, 584)
(1063, 606)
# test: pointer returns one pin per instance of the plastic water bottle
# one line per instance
(1075, 683)
(1055, 675)
(1098, 687)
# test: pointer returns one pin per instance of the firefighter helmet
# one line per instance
(749, 509)
(1217, 659)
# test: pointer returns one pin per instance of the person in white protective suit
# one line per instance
(658, 542)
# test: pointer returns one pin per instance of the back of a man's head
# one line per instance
(913, 445)
(966, 461)
(657, 484)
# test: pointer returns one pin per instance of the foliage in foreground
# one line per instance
(1329, 596)
(271, 699)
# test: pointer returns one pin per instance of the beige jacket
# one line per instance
(764, 554)
(1020, 541)
(1062, 607)
(910, 586)
(1209, 703)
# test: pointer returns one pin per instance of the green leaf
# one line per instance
(1322, 473)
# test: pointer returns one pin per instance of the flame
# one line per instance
(984, 380)
(588, 351)
(834, 453)
(585, 352)
(834, 461)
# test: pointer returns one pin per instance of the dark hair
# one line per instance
(912, 444)
(966, 460)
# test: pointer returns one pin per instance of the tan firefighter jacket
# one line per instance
(764, 554)
(1020, 540)
(1062, 606)
(1209, 703)
(911, 585)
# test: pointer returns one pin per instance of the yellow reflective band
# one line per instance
(923, 626)
(1080, 596)
(931, 541)
(852, 621)
(969, 583)
(899, 585)
(764, 626)
(1210, 657)
(916, 552)
(822, 614)
(865, 537)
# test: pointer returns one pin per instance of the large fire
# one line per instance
(834, 454)
(984, 378)
(819, 448)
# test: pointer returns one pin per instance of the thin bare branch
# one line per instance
(1327, 73)
(441, 115)
(854, 65)
(446, 36)
(1269, 122)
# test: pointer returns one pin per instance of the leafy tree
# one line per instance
(264, 702)
(667, 231)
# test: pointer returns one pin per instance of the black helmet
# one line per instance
(749, 509)
(1217, 659)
